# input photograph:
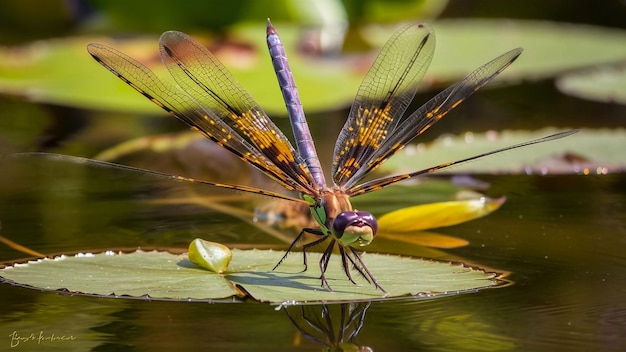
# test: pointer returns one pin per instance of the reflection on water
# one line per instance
(333, 326)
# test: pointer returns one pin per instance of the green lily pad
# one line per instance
(163, 275)
(605, 84)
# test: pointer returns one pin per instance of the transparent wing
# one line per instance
(203, 77)
(435, 109)
(372, 135)
(150, 173)
(384, 95)
(205, 116)
(387, 181)
(93, 200)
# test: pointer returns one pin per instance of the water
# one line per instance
(562, 238)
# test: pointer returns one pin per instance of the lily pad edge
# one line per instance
(498, 277)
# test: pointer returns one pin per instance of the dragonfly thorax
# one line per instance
(333, 212)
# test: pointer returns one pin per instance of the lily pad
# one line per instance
(605, 84)
(167, 276)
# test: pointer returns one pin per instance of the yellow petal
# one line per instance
(428, 216)
(426, 239)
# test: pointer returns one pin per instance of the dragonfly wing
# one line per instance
(387, 181)
(180, 105)
(202, 76)
(137, 172)
(384, 95)
(436, 108)
(104, 199)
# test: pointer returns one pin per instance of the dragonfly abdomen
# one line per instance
(301, 132)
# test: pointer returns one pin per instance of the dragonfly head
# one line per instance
(355, 227)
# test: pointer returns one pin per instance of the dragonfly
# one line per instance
(209, 99)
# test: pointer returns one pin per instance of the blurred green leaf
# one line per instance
(61, 72)
(162, 275)
(190, 14)
(218, 14)
(550, 48)
(605, 84)
(376, 11)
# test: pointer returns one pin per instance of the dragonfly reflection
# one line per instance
(335, 326)
(211, 101)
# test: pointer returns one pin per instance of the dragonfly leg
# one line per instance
(308, 245)
(324, 263)
(346, 267)
(364, 267)
(289, 249)
(358, 268)
(304, 247)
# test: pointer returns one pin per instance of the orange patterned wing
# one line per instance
(436, 108)
(383, 97)
(212, 102)
(377, 128)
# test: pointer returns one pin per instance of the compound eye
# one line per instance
(369, 220)
(342, 221)
(355, 219)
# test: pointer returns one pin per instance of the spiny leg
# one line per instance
(296, 240)
(346, 266)
(358, 264)
(364, 267)
(289, 249)
(357, 267)
(311, 244)
(324, 263)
